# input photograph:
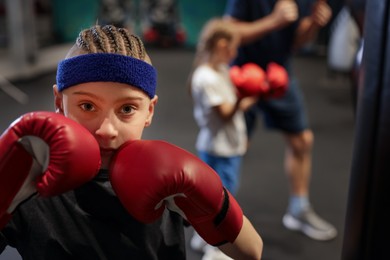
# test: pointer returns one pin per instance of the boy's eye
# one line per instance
(127, 109)
(87, 107)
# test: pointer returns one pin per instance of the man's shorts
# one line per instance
(287, 114)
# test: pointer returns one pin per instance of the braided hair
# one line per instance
(109, 39)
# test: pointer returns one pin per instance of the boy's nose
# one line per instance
(107, 129)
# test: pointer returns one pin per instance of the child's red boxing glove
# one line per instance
(44, 152)
(277, 78)
(150, 176)
(250, 80)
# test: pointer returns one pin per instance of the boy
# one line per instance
(107, 84)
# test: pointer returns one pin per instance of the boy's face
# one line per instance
(113, 112)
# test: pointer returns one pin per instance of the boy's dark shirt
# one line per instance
(90, 223)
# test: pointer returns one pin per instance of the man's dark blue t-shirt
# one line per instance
(275, 46)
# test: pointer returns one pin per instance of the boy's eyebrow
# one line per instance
(83, 93)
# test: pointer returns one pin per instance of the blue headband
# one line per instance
(107, 67)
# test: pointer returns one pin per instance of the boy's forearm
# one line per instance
(247, 246)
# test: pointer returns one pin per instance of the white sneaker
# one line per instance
(213, 253)
(312, 225)
(197, 243)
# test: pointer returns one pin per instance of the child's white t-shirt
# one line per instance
(211, 88)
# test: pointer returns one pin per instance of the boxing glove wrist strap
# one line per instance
(224, 210)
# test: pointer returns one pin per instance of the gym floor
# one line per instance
(263, 192)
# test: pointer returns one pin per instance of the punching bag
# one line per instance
(367, 223)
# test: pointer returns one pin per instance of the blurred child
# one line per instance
(218, 111)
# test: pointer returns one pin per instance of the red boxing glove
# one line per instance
(250, 79)
(149, 176)
(277, 77)
(47, 153)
